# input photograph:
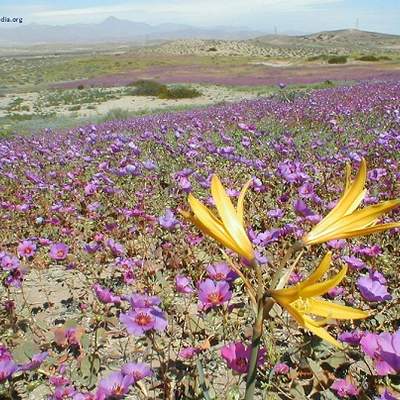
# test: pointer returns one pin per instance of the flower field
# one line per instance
(245, 250)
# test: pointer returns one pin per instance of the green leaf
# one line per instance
(24, 351)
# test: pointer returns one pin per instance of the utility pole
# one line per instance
(357, 23)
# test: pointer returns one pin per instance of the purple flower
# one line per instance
(237, 357)
(117, 249)
(188, 353)
(352, 338)
(372, 287)
(91, 247)
(301, 208)
(84, 396)
(183, 284)
(9, 263)
(90, 189)
(295, 277)
(138, 322)
(384, 349)
(386, 395)
(335, 292)
(115, 386)
(276, 213)
(212, 294)
(344, 388)
(168, 220)
(35, 362)
(137, 371)
(281, 369)
(105, 295)
(337, 244)
(221, 272)
(138, 300)
(59, 251)
(26, 249)
(7, 368)
(354, 262)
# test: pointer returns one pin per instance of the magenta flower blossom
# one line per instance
(59, 251)
(344, 388)
(212, 294)
(221, 272)
(115, 386)
(295, 277)
(372, 287)
(138, 300)
(26, 249)
(384, 349)
(138, 322)
(183, 284)
(188, 353)
(168, 220)
(237, 357)
(9, 262)
(105, 295)
(137, 371)
(281, 369)
(7, 368)
(36, 361)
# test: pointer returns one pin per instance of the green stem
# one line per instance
(202, 380)
(257, 335)
(255, 347)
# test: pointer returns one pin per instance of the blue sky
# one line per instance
(285, 15)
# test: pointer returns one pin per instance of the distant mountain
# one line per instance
(115, 30)
(340, 38)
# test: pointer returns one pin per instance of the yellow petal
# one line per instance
(362, 218)
(241, 200)
(328, 309)
(293, 293)
(293, 312)
(320, 271)
(230, 218)
(350, 197)
(209, 224)
(370, 230)
(318, 289)
(347, 178)
(321, 332)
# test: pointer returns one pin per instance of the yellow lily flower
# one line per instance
(343, 221)
(229, 229)
(302, 300)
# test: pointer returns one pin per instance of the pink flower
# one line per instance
(59, 251)
(281, 369)
(212, 294)
(188, 352)
(115, 385)
(183, 284)
(137, 371)
(141, 320)
(105, 295)
(344, 388)
(237, 357)
(26, 249)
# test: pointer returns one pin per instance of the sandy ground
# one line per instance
(211, 94)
